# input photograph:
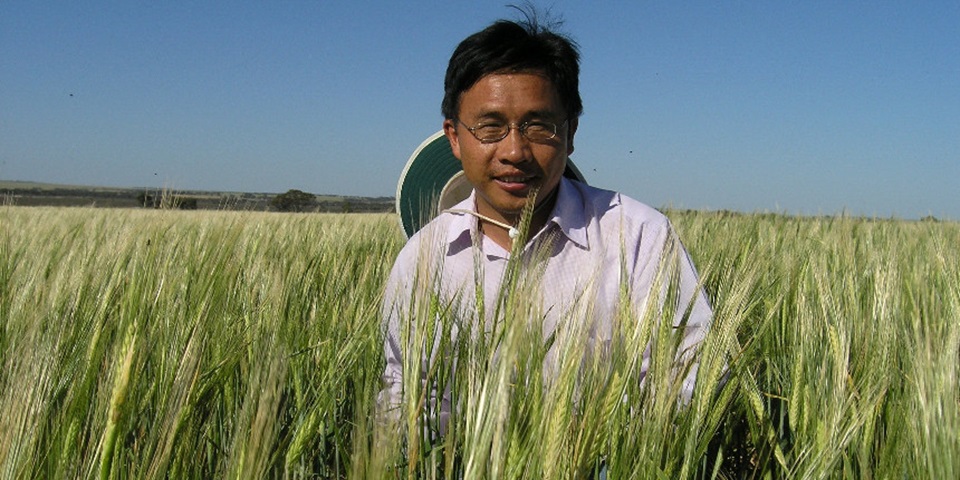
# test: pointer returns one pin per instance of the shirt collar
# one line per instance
(569, 214)
(462, 226)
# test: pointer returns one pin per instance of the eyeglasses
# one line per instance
(493, 132)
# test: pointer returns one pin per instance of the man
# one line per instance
(511, 109)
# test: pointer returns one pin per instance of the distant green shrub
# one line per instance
(293, 201)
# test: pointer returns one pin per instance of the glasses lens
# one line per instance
(539, 131)
(490, 132)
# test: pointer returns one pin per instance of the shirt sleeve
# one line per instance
(695, 310)
(407, 294)
(665, 273)
(396, 290)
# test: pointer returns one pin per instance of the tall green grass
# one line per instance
(153, 344)
(165, 344)
(848, 361)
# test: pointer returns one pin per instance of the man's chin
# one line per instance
(511, 207)
(509, 210)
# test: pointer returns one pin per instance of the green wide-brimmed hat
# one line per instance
(433, 181)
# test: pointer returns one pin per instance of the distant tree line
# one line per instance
(111, 197)
(299, 201)
(167, 201)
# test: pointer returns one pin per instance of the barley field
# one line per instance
(203, 344)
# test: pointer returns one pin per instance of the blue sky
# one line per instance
(796, 107)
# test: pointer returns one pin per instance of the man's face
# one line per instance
(505, 172)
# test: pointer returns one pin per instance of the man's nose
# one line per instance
(514, 148)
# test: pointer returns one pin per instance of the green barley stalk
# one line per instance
(838, 336)
(118, 400)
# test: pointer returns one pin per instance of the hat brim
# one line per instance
(433, 180)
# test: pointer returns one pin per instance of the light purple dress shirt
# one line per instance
(596, 236)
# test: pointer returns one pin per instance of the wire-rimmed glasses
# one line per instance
(493, 132)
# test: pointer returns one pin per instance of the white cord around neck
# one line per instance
(512, 232)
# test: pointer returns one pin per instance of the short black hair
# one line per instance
(513, 47)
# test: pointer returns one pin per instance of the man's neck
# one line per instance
(501, 234)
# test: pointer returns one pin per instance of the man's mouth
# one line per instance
(515, 179)
(515, 183)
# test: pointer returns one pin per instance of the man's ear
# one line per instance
(450, 130)
(571, 131)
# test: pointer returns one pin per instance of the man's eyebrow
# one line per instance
(535, 114)
(545, 114)
(490, 115)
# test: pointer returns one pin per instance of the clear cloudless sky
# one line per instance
(813, 107)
